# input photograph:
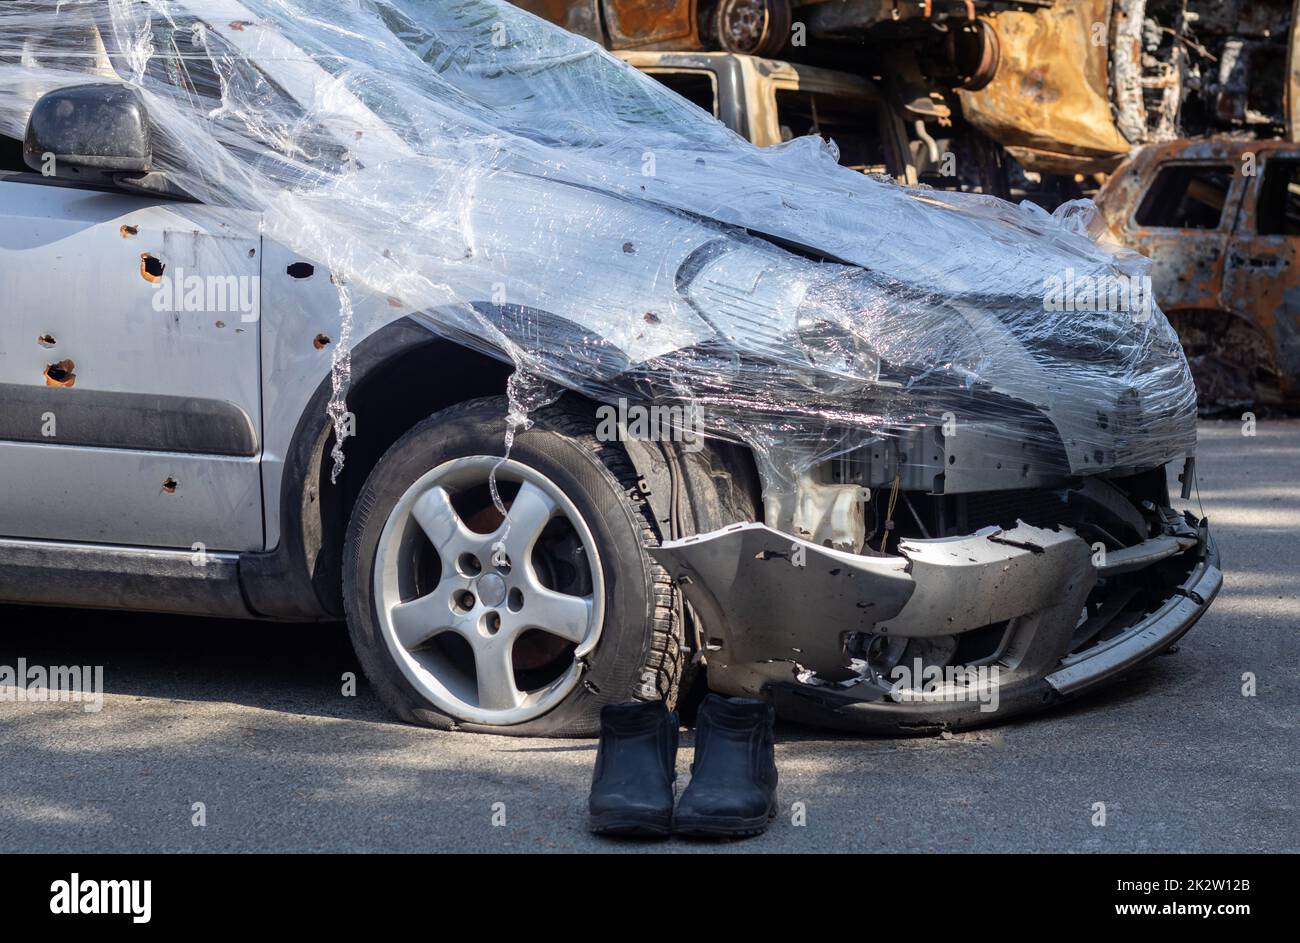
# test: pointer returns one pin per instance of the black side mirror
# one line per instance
(91, 131)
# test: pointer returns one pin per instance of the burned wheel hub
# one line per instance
(754, 27)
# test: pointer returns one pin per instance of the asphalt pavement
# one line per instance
(246, 729)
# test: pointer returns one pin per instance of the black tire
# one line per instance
(640, 652)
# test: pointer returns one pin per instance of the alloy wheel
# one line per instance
(488, 618)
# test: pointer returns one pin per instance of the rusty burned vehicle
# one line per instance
(479, 251)
(1077, 84)
(1220, 220)
(1066, 87)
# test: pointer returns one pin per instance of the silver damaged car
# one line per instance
(434, 318)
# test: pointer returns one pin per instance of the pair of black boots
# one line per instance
(732, 792)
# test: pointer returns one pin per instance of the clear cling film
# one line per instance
(521, 191)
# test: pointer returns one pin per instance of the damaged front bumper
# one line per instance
(954, 632)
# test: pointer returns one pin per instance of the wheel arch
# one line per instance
(401, 374)
(1215, 321)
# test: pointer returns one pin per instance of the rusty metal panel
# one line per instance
(1261, 280)
(645, 23)
(1049, 98)
(1187, 264)
(1292, 90)
(577, 16)
(1232, 293)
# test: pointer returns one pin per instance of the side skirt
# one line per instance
(53, 573)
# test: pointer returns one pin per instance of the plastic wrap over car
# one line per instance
(544, 202)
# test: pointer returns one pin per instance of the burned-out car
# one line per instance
(882, 79)
(1076, 84)
(1220, 220)
(436, 317)
(1066, 87)
(768, 102)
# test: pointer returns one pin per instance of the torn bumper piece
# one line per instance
(785, 618)
(1149, 637)
(764, 596)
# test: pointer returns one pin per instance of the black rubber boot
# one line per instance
(732, 792)
(636, 765)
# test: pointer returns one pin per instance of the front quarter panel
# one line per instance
(588, 257)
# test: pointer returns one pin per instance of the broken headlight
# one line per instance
(782, 308)
(843, 358)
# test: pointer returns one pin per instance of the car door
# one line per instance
(1182, 222)
(129, 365)
(1262, 271)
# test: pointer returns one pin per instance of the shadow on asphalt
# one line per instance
(299, 668)
(290, 667)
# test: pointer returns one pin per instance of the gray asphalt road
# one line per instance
(250, 721)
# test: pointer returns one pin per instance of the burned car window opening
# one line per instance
(1279, 198)
(854, 126)
(11, 154)
(1186, 196)
(698, 88)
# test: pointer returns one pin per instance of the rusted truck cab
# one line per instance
(768, 101)
(1220, 220)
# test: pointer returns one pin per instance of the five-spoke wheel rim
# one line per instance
(488, 589)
